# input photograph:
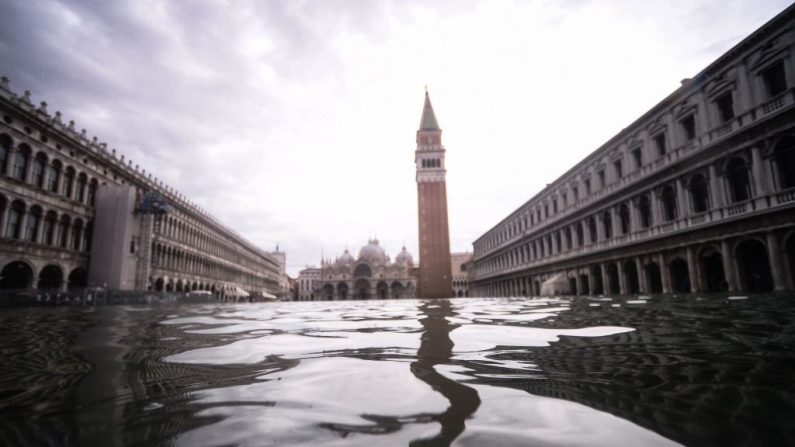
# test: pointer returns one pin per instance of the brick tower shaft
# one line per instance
(436, 279)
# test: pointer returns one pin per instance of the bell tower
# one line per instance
(436, 278)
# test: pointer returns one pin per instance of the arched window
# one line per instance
(644, 208)
(592, 229)
(568, 237)
(21, 161)
(607, 222)
(424, 163)
(77, 235)
(32, 223)
(668, 196)
(48, 232)
(39, 164)
(5, 150)
(699, 193)
(63, 229)
(784, 158)
(82, 186)
(580, 238)
(623, 215)
(53, 172)
(737, 180)
(88, 234)
(92, 192)
(15, 214)
(68, 181)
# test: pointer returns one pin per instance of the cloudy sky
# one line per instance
(294, 121)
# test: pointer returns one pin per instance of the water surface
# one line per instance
(565, 371)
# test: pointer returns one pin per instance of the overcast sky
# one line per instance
(294, 121)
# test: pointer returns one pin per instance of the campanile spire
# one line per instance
(436, 279)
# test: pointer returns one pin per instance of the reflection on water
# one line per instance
(635, 371)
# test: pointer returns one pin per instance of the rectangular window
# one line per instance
(601, 175)
(689, 127)
(555, 206)
(638, 157)
(565, 200)
(725, 105)
(659, 143)
(574, 194)
(618, 168)
(588, 187)
(775, 79)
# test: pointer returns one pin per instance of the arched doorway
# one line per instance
(754, 266)
(382, 289)
(328, 292)
(680, 276)
(397, 290)
(159, 285)
(712, 269)
(631, 277)
(598, 283)
(342, 291)
(361, 289)
(78, 278)
(653, 277)
(170, 285)
(573, 286)
(613, 285)
(16, 275)
(50, 277)
(585, 289)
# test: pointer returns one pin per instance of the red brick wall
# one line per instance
(436, 279)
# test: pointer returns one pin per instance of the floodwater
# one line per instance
(634, 371)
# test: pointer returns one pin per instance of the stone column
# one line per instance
(29, 167)
(634, 218)
(665, 273)
(693, 271)
(656, 214)
(682, 204)
(23, 223)
(12, 153)
(729, 266)
(591, 281)
(622, 278)
(776, 270)
(642, 283)
(40, 229)
(714, 188)
(605, 280)
(616, 221)
(574, 242)
(600, 228)
(758, 172)
(580, 285)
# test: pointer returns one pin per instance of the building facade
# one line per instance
(57, 185)
(459, 266)
(436, 279)
(369, 276)
(698, 194)
(308, 284)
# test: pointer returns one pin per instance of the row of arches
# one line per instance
(198, 236)
(732, 180)
(757, 263)
(47, 227)
(171, 258)
(44, 172)
(690, 195)
(362, 289)
(21, 275)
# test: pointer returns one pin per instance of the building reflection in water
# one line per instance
(436, 348)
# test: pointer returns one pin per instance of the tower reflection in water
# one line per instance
(436, 348)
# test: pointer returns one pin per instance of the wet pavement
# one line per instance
(711, 370)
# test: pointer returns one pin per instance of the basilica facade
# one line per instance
(370, 275)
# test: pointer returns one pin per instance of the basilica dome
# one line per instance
(404, 258)
(345, 259)
(372, 252)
